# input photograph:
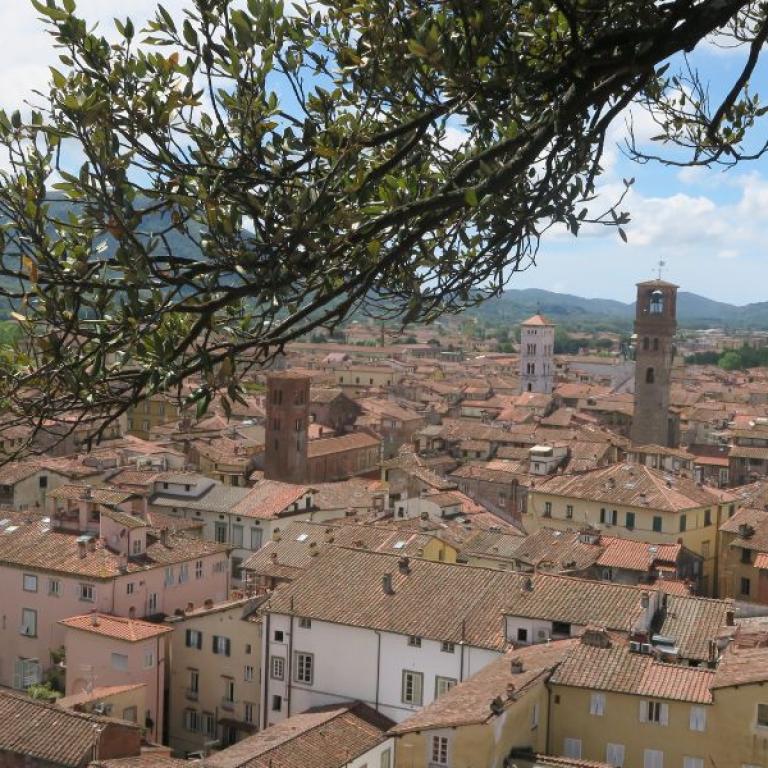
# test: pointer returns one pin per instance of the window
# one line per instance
(745, 586)
(237, 535)
(707, 517)
(191, 720)
(152, 602)
(386, 759)
(762, 715)
(237, 567)
(547, 509)
(54, 587)
(136, 547)
(248, 673)
(522, 635)
(414, 641)
(614, 755)
(657, 524)
(705, 548)
(447, 647)
(168, 576)
(305, 663)
(630, 521)
(28, 622)
(561, 628)
(693, 762)
(653, 758)
(183, 573)
(277, 703)
(42, 481)
(229, 690)
(220, 533)
(194, 682)
(85, 592)
(248, 713)
(654, 712)
(149, 660)
(443, 685)
(256, 538)
(278, 635)
(131, 714)
(277, 668)
(221, 645)
(649, 376)
(597, 704)
(220, 566)
(646, 343)
(413, 686)
(198, 569)
(569, 511)
(26, 672)
(194, 639)
(535, 715)
(602, 515)
(572, 748)
(683, 523)
(120, 662)
(698, 720)
(129, 587)
(746, 556)
(439, 750)
(305, 623)
(30, 582)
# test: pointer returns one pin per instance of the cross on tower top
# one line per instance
(661, 266)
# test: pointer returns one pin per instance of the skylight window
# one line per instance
(398, 545)
(11, 529)
(302, 537)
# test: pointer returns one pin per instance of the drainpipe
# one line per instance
(266, 661)
(289, 672)
(378, 666)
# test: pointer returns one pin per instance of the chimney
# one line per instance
(516, 665)
(313, 548)
(273, 556)
(527, 585)
(729, 618)
(329, 535)
(386, 584)
(510, 690)
(190, 607)
(81, 549)
(165, 537)
(404, 565)
(645, 599)
(94, 619)
(87, 493)
(208, 603)
(276, 535)
(91, 545)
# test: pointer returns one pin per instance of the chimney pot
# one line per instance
(273, 556)
(81, 549)
(516, 666)
(404, 565)
(386, 584)
(729, 618)
(208, 602)
(94, 620)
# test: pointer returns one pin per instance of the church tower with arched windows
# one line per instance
(537, 355)
(655, 326)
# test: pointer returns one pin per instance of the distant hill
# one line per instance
(693, 311)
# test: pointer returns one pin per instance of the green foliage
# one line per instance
(43, 692)
(309, 164)
(732, 359)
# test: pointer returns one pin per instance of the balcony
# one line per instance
(191, 694)
(228, 705)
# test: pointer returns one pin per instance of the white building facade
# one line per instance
(537, 350)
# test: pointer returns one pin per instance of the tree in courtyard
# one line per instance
(190, 196)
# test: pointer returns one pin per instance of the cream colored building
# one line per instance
(635, 502)
(215, 660)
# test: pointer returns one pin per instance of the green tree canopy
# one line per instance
(233, 179)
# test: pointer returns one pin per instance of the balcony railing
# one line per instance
(192, 694)
(228, 705)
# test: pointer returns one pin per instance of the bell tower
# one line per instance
(537, 349)
(285, 450)
(655, 326)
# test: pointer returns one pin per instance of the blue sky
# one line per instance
(708, 225)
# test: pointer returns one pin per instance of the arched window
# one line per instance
(646, 343)
(530, 386)
(649, 378)
(656, 304)
(655, 345)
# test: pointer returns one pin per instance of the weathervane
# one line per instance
(662, 264)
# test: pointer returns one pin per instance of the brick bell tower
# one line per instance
(285, 450)
(655, 326)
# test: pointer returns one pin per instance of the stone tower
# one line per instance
(537, 345)
(285, 450)
(655, 326)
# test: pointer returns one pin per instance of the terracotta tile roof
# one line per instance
(757, 530)
(353, 441)
(145, 760)
(34, 545)
(692, 621)
(110, 496)
(493, 545)
(741, 664)
(470, 702)
(632, 485)
(538, 320)
(562, 549)
(634, 555)
(96, 694)
(617, 670)
(123, 518)
(269, 499)
(44, 733)
(346, 494)
(748, 452)
(322, 737)
(216, 497)
(524, 758)
(116, 627)
(447, 602)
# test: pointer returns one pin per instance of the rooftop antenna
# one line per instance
(661, 266)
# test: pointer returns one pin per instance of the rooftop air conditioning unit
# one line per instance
(646, 648)
(634, 646)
